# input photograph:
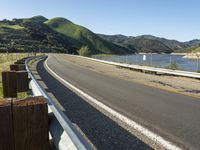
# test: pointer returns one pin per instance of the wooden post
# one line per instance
(20, 124)
(14, 67)
(30, 119)
(17, 67)
(6, 128)
(38, 135)
(9, 80)
(22, 81)
(14, 82)
(21, 61)
(24, 124)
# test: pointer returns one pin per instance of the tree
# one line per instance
(85, 51)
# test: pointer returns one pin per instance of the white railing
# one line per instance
(150, 69)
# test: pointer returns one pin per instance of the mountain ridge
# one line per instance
(145, 42)
(62, 35)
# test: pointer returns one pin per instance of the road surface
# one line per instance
(174, 117)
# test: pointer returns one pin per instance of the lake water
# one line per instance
(155, 60)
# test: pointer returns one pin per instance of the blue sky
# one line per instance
(173, 19)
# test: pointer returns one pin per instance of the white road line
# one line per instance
(152, 136)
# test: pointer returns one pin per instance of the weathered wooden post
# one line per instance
(22, 81)
(24, 124)
(6, 128)
(30, 123)
(14, 82)
(9, 80)
(17, 67)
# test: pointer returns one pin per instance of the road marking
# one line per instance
(146, 132)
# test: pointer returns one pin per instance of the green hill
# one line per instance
(83, 36)
(195, 49)
(22, 35)
(61, 35)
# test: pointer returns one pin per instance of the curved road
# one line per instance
(173, 116)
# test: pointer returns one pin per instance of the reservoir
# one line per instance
(155, 60)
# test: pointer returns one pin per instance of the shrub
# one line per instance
(85, 51)
(172, 66)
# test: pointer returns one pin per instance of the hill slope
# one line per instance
(85, 37)
(195, 49)
(62, 35)
(21, 35)
(192, 43)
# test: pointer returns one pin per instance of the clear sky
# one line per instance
(173, 19)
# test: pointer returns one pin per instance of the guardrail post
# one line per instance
(17, 67)
(30, 119)
(14, 82)
(9, 80)
(24, 124)
(6, 128)
(22, 81)
(21, 61)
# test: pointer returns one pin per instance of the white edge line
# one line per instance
(152, 136)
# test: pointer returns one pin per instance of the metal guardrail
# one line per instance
(64, 134)
(150, 69)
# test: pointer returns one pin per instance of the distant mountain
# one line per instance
(173, 44)
(146, 43)
(194, 42)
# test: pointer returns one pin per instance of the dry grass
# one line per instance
(5, 61)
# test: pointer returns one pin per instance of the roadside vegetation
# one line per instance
(85, 51)
(173, 66)
(5, 61)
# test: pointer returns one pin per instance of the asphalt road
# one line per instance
(174, 116)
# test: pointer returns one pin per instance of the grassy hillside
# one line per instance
(5, 61)
(61, 35)
(196, 49)
(23, 35)
(84, 36)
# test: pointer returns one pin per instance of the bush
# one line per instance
(85, 51)
(173, 66)
(198, 71)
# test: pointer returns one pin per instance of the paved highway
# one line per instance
(174, 117)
